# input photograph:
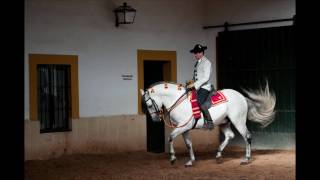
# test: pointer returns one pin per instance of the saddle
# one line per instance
(214, 98)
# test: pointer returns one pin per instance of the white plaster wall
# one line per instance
(86, 28)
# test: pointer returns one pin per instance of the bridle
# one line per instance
(161, 113)
(158, 111)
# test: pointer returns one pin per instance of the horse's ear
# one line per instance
(142, 92)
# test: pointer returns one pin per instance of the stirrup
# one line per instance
(210, 125)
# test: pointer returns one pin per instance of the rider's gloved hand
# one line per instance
(190, 87)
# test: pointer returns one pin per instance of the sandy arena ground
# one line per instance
(266, 165)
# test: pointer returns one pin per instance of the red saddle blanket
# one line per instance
(216, 99)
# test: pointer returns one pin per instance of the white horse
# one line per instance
(172, 97)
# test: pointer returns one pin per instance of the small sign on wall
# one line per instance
(127, 76)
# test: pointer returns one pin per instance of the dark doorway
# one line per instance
(154, 72)
(245, 58)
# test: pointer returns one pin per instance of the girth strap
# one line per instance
(195, 123)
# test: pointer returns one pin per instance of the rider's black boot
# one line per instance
(207, 116)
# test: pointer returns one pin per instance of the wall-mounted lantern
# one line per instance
(124, 14)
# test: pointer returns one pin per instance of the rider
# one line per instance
(201, 79)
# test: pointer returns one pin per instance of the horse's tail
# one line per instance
(261, 104)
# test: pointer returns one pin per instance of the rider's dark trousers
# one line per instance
(202, 95)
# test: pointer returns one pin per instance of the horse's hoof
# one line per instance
(188, 164)
(173, 161)
(219, 160)
(245, 161)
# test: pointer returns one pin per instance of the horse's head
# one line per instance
(152, 104)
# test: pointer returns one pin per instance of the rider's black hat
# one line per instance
(198, 48)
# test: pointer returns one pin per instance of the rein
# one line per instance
(162, 115)
(170, 124)
(179, 101)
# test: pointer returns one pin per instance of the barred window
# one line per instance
(54, 97)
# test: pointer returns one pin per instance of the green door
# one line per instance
(245, 59)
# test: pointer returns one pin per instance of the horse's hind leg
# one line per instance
(247, 137)
(242, 128)
(189, 147)
(228, 134)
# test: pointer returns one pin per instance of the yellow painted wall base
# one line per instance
(123, 133)
(89, 135)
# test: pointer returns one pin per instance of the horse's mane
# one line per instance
(163, 82)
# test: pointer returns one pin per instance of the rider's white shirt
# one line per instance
(202, 74)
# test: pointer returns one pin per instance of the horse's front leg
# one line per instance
(173, 135)
(171, 151)
(189, 147)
